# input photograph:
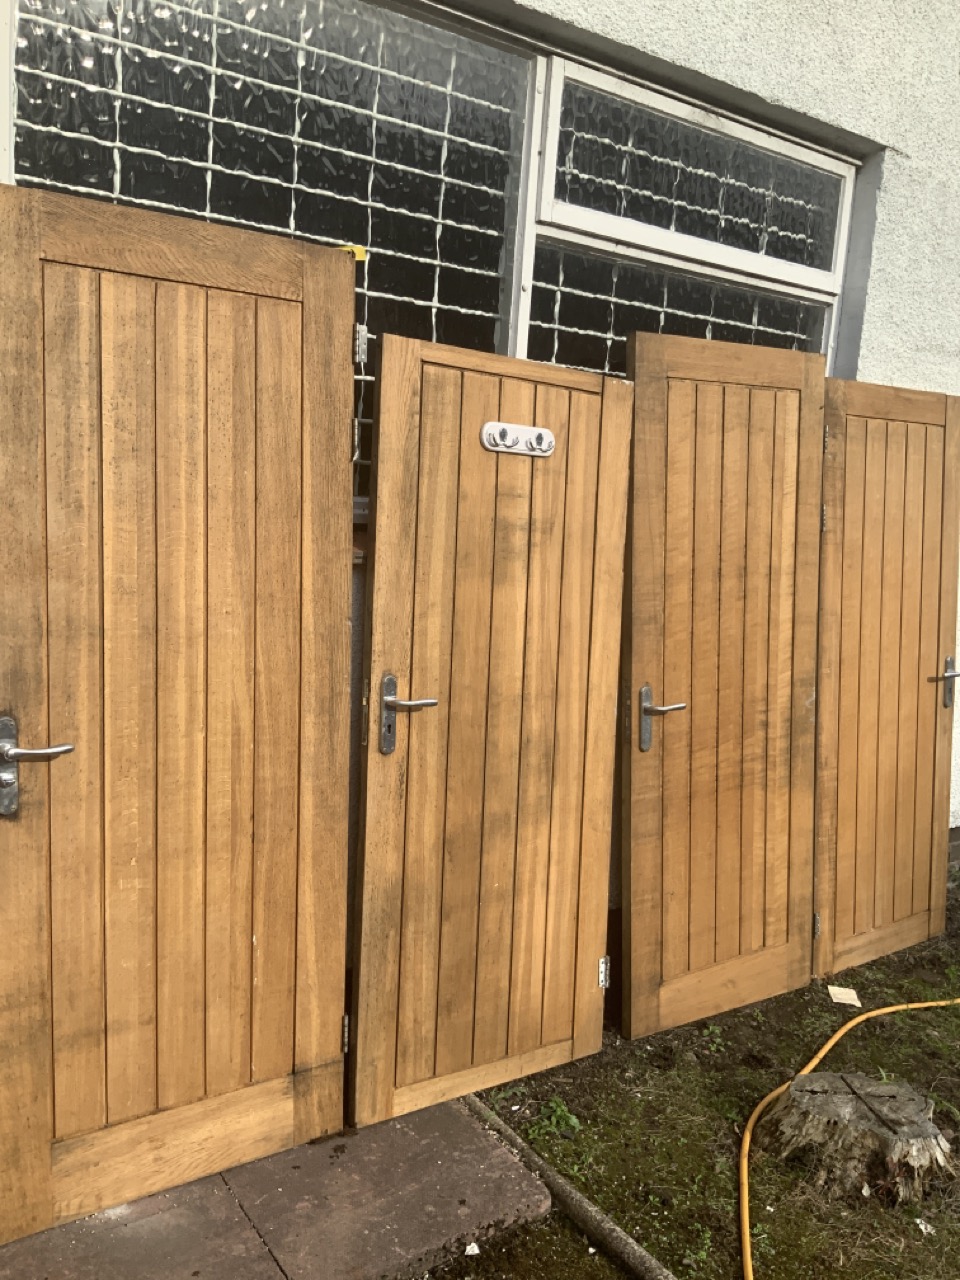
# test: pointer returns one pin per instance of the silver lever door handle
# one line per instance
(649, 709)
(390, 704)
(23, 755)
(409, 704)
(12, 757)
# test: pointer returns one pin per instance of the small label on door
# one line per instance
(508, 437)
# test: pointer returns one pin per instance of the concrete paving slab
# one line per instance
(389, 1201)
(196, 1232)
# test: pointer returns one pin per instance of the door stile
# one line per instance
(832, 569)
(426, 807)
(950, 553)
(600, 742)
(643, 610)
(26, 1095)
(804, 693)
(376, 978)
(74, 605)
(326, 554)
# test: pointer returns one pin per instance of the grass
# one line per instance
(650, 1130)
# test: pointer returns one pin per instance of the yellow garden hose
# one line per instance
(745, 1244)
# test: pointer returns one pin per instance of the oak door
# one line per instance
(497, 580)
(888, 636)
(718, 820)
(174, 461)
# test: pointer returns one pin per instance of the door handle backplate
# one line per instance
(648, 710)
(390, 704)
(950, 673)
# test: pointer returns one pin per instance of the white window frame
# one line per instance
(8, 87)
(543, 217)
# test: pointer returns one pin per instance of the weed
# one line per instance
(554, 1118)
(713, 1038)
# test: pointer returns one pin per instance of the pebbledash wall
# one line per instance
(874, 80)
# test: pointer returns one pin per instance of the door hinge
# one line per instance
(604, 972)
(361, 344)
(826, 436)
(816, 924)
(823, 519)
(346, 1034)
(364, 712)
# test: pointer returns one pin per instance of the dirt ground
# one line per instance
(650, 1131)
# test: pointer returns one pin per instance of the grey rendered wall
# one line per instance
(881, 75)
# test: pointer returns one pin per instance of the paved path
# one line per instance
(389, 1201)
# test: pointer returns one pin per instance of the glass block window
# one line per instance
(334, 120)
(584, 305)
(622, 158)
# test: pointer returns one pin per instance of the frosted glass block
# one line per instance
(583, 306)
(622, 158)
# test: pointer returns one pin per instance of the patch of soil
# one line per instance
(659, 1130)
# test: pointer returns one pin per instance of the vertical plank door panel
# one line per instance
(496, 586)
(128, 382)
(909, 672)
(538, 725)
(882, 666)
(756, 636)
(181, 689)
(889, 667)
(780, 668)
(733, 546)
(177, 422)
(436, 557)
(720, 875)
(704, 680)
(868, 731)
(677, 669)
(504, 706)
(277, 689)
(854, 494)
(466, 747)
(231, 597)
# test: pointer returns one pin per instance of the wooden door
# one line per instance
(888, 627)
(174, 464)
(718, 820)
(496, 590)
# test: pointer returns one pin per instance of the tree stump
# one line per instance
(862, 1133)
